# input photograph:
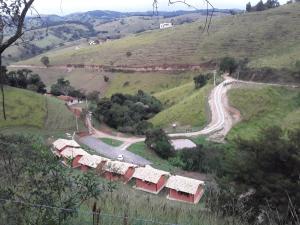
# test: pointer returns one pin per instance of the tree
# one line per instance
(272, 4)
(260, 6)
(25, 79)
(31, 174)
(93, 96)
(106, 79)
(201, 80)
(62, 87)
(12, 19)
(158, 141)
(45, 60)
(228, 64)
(270, 167)
(248, 7)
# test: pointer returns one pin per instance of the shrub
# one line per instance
(128, 113)
(201, 80)
(158, 141)
(45, 60)
(228, 64)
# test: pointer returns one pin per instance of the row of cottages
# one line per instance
(146, 178)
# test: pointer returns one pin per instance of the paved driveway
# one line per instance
(112, 152)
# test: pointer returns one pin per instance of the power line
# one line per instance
(84, 212)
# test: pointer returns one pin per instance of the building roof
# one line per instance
(118, 167)
(71, 153)
(184, 184)
(149, 174)
(61, 143)
(92, 160)
(180, 144)
(66, 98)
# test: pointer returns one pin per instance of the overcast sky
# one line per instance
(71, 6)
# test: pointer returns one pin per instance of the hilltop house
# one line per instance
(60, 144)
(91, 162)
(165, 25)
(116, 170)
(73, 154)
(149, 179)
(185, 189)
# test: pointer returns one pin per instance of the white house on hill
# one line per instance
(165, 25)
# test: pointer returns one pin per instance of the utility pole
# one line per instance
(76, 122)
(215, 78)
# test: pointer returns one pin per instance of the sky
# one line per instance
(63, 7)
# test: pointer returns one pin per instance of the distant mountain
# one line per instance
(106, 15)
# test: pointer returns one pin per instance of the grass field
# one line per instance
(23, 108)
(262, 107)
(259, 36)
(187, 107)
(111, 142)
(130, 83)
(86, 80)
(142, 150)
(28, 112)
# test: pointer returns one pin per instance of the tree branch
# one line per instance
(19, 31)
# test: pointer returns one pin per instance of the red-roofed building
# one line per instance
(185, 189)
(91, 162)
(116, 170)
(73, 154)
(149, 179)
(60, 144)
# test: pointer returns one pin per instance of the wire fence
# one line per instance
(90, 217)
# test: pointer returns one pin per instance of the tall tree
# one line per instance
(12, 19)
(248, 7)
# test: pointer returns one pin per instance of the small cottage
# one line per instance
(73, 154)
(91, 162)
(185, 189)
(116, 170)
(149, 179)
(60, 144)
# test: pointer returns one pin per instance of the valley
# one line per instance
(125, 89)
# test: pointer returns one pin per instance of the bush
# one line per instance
(158, 141)
(201, 80)
(45, 60)
(228, 64)
(128, 113)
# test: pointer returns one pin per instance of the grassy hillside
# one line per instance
(31, 112)
(261, 107)
(259, 36)
(130, 83)
(186, 107)
(80, 78)
(24, 108)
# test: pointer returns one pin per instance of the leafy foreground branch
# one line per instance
(30, 173)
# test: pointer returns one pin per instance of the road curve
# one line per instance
(218, 117)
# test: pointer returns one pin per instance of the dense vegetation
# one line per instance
(159, 141)
(31, 176)
(201, 80)
(63, 87)
(259, 177)
(260, 6)
(24, 79)
(128, 113)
